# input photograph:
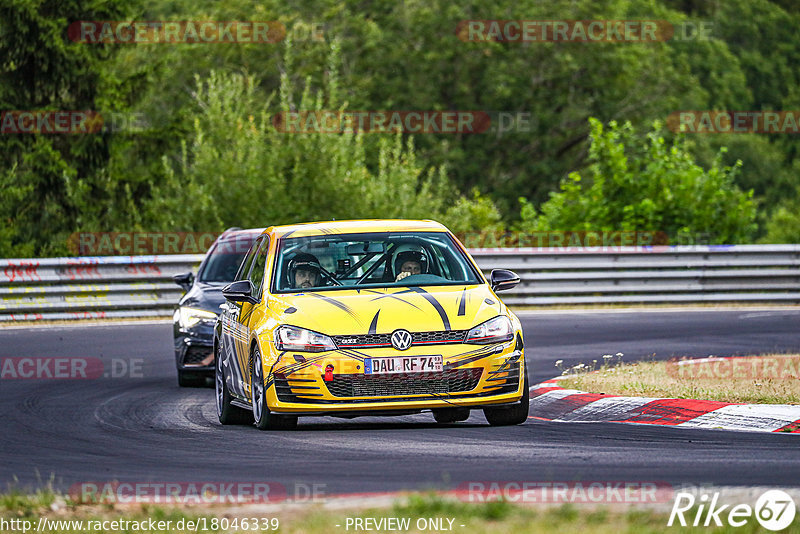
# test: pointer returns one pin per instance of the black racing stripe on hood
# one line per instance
(435, 303)
(341, 305)
(462, 304)
(393, 295)
(373, 326)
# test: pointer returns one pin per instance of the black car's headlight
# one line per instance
(494, 330)
(292, 338)
(189, 317)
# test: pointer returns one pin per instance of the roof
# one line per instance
(356, 226)
(233, 233)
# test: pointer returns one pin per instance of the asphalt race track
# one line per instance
(144, 428)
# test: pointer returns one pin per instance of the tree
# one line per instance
(239, 169)
(51, 178)
(784, 224)
(646, 184)
(409, 56)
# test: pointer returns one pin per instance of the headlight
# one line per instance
(494, 330)
(188, 317)
(292, 338)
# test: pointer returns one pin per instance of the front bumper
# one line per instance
(194, 350)
(472, 377)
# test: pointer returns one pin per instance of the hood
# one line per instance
(204, 296)
(383, 310)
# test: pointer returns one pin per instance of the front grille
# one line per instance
(195, 355)
(453, 381)
(368, 341)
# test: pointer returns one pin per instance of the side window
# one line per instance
(244, 268)
(257, 273)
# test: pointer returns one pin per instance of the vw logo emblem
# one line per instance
(401, 339)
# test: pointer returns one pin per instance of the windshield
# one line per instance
(225, 257)
(370, 260)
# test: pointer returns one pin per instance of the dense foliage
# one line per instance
(636, 184)
(210, 157)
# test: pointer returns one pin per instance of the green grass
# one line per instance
(482, 518)
(775, 380)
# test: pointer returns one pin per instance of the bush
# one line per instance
(648, 185)
(239, 169)
(783, 225)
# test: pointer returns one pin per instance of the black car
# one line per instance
(196, 312)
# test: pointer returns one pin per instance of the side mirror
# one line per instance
(185, 280)
(503, 279)
(239, 291)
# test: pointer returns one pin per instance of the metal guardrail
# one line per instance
(91, 287)
(689, 274)
(137, 286)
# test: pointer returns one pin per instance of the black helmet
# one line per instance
(302, 260)
(410, 255)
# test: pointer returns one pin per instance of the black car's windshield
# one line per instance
(370, 260)
(224, 258)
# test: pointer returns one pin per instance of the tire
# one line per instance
(227, 413)
(264, 419)
(511, 415)
(188, 379)
(451, 415)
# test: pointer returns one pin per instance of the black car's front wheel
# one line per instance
(515, 414)
(265, 420)
(226, 412)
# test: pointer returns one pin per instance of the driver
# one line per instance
(410, 262)
(304, 271)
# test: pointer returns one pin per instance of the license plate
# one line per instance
(402, 364)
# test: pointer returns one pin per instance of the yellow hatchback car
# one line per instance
(355, 318)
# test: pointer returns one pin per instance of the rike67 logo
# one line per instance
(774, 510)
